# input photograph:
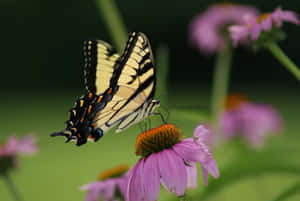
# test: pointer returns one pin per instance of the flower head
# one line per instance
(169, 159)
(253, 121)
(13, 147)
(208, 31)
(111, 185)
(267, 23)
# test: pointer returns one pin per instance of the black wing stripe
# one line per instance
(124, 58)
(142, 87)
(90, 54)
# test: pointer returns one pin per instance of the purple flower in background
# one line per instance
(14, 147)
(111, 185)
(169, 160)
(254, 26)
(208, 31)
(253, 121)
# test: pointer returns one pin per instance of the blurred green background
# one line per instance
(42, 75)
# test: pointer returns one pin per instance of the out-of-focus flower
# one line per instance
(252, 121)
(111, 185)
(208, 31)
(169, 159)
(255, 26)
(13, 147)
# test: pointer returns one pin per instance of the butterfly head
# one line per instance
(79, 126)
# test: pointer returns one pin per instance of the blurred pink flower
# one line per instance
(254, 122)
(111, 186)
(13, 147)
(168, 159)
(208, 30)
(254, 26)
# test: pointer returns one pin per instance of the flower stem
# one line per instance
(183, 198)
(283, 59)
(113, 20)
(162, 67)
(220, 83)
(12, 188)
(289, 192)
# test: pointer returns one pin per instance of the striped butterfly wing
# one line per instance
(134, 75)
(100, 60)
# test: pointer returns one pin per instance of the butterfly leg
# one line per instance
(161, 116)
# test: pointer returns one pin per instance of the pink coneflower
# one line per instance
(170, 160)
(13, 147)
(252, 121)
(254, 26)
(111, 185)
(208, 31)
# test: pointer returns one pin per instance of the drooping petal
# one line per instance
(27, 145)
(192, 175)
(151, 177)
(94, 190)
(205, 175)
(257, 121)
(229, 124)
(122, 184)
(203, 134)
(109, 190)
(190, 151)
(135, 191)
(173, 172)
(211, 167)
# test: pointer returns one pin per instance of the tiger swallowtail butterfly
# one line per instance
(120, 89)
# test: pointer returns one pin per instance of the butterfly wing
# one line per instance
(100, 59)
(134, 75)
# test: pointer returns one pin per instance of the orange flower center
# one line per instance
(262, 17)
(113, 172)
(234, 100)
(157, 139)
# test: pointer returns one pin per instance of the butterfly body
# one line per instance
(120, 89)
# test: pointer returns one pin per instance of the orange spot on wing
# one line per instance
(90, 109)
(109, 91)
(79, 135)
(99, 99)
(75, 129)
(82, 119)
(90, 95)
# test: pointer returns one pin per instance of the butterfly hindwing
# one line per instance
(100, 60)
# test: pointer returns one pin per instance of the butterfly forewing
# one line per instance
(100, 59)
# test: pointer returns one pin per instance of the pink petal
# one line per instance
(109, 190)
(151, 178)
(172, 171)
(94, 190)
(211, 167)
(192, 175)
(190, 151)
(266, 24)
(205, 175)
(27, 145)
(122, 185)
(11, 145)
(135, 191)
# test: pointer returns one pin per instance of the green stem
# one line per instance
(289, 192)
(113, 20)
(283, 59)
(162, 68)
(220, 83)
(12, 188)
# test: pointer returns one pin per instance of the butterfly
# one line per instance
(120, 89)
